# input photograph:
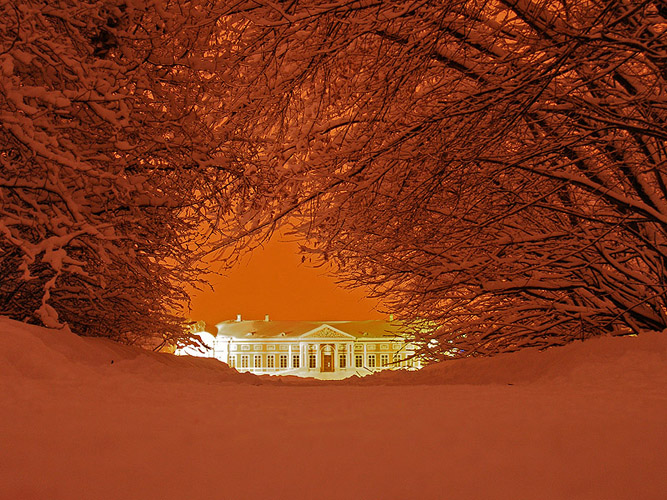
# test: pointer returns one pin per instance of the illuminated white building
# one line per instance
(323, 350)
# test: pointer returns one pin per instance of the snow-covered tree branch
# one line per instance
(495, 168)
(118, 158)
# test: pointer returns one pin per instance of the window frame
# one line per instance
(358, 360)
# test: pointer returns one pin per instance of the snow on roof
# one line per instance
(261, 329)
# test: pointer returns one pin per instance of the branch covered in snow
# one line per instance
(494, 168)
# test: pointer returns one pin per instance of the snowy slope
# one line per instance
(586, 421)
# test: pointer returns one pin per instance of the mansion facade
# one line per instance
(324, 350)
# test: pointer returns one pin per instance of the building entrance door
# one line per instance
(327, 359)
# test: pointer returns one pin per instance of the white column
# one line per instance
(301, 348)
(306, 356)
(365, 360)
(335, 357)
(289, 356)
(317, 357)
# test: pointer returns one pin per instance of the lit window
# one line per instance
(244, 361)
(342, 360)
(384, 359)
(311, 361)
(283, 361)
(295, 361)
(359, 360)
(257, 361)
(270, 361)
(371, 360)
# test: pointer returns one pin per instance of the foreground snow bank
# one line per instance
(586, 421)
(599, 360)
(39, 353)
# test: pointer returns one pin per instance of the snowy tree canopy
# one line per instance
(119, 158)
(496, 169)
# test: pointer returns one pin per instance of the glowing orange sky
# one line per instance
(273, 281)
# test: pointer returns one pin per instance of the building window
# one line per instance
(311, 360)
(270, 347)
(245, 347)
(235, 348)
(371, 347)
(359, 360)
(244, 361)
(257, 361)
(283, 361)
(384, 347)
(342, 360)
(232, 361)
(295, 361)
(371, 360)
(384, 359)
(358, 347)
(283, 347)
(270, 361)
(257, 347)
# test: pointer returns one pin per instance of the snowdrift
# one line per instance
(35, 352)
(90, 419)
(41, 353)
(619, 360)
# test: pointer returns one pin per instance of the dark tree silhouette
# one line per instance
(118, 158)
(496, 169)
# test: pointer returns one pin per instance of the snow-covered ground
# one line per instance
(90, 419)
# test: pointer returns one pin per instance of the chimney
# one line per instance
(266, 317)
(238, 317)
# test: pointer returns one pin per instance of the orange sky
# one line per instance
(272, 280)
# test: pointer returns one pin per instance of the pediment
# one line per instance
(327, 332)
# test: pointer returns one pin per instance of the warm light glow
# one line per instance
(273, 280)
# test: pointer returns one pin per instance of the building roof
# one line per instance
(261, 329)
